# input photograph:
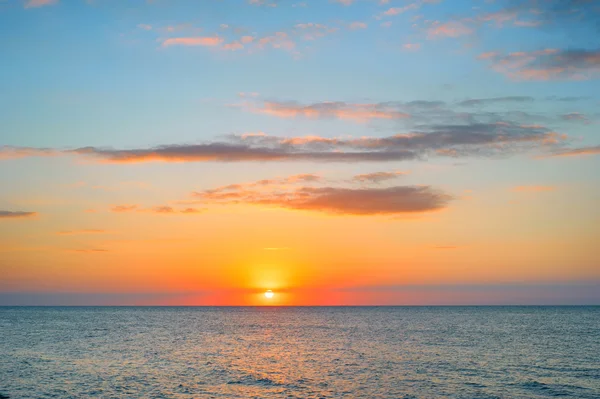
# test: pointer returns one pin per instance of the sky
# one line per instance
(336, 152)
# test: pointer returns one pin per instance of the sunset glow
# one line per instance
(275, 153)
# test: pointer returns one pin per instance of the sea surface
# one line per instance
(346, 352)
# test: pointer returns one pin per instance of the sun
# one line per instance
(269, 294)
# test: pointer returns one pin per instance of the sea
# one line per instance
(300, 352)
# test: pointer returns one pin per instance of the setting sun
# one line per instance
(269, 294)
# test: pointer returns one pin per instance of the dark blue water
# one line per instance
(387, 352)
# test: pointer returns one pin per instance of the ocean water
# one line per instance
(353, 352)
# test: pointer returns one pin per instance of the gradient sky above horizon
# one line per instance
(351, 152)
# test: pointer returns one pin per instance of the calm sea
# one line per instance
(353, 352)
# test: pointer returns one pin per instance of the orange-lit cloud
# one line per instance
(168, 210)
(378, 177)
(340, 110)
(335, 200)
(209, 41)
(577, 152)
(124, 208)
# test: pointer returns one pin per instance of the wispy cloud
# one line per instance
(168, 210)
(577, 152)
(546, 64)
(159, 210)
(378, 177)
(495, 100)
(16, 214)
(575, 117)
(448, 29)
(39, 3)
(11, 152)
(328, 109)
(124, 208)
(357, 25)
(209, 41)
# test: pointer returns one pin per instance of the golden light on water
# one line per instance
(269, 294)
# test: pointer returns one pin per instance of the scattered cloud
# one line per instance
(378, 177)
(546, 64)
(357, 25)
(16, 214)
(495, 100)
(39, 3)
(399, 10)
(448, 29)
(209, 41)
(325, 110)
(344, 2)
(411, 46)
(575, 117)
(123, 208)
(577, 152)
(168, 210)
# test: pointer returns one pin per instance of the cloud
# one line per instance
(209, 41)
(78, 232)
(448, 29)
(532, 189)
(123, 208)
(233, 46)
(471, 138)
(412, 46)
(337, 109)
(399, 10)
(144, 26)
(574, 117)
(494, 100)
(344, 2)
(265, 3)
(16, 214)
(10, 152)
(39, 3)
(577, 152)
(378, 177)
(357, 25)
(335, 200)
(547, 64)
(167, 210)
